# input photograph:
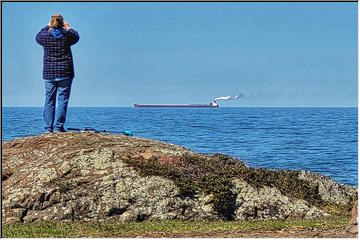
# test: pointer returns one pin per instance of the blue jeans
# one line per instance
(63, 89)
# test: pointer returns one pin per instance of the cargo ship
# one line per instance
(212, 104)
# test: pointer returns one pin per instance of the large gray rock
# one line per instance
(87, 176)
(330, 190)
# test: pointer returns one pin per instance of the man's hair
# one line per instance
(57, 21)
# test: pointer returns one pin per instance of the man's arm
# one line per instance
(73, 36)
(41, 35)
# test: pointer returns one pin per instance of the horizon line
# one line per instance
(219, 107)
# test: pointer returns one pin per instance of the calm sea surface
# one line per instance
(322, 140)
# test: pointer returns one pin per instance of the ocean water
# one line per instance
(321, 140)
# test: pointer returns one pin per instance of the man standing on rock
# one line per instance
(58, 69)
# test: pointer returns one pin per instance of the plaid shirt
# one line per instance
(58, 61)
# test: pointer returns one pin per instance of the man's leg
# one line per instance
(49, 105)
(64, 89)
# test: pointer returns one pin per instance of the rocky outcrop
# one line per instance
(103, 177)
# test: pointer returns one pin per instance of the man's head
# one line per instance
(57, 21)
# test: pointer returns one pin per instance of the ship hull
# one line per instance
(174, 106)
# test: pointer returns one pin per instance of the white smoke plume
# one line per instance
(228, 98)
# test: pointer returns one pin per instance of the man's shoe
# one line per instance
(48, 132)
(59, 130)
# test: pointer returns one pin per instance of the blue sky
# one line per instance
(276, 54)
